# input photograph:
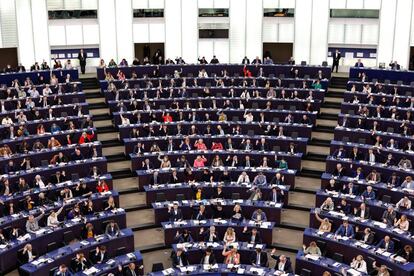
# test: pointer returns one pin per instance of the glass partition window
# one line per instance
(279, 12)
(72, 14)
(213, 12)
(213, 33)
(141, 13)
(354, 13)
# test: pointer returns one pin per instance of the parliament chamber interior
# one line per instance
(206, 137)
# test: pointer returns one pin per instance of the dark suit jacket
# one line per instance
(206, 236)
(288, 264)
(381, 244)
(82, 59)
(176, 262)
(175, 217)
(263, 258)
(366, 215)
(211, 260)
(24, 258)
(249, 237)
(128, 272)
(336, 57)
(370, 239)
(97, 258)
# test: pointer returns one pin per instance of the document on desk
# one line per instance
(168, 271)
(91, 271)
(353, 272)
(312, 257)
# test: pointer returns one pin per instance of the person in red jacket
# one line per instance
(246, 72)
(167, 118)
(86, 138)
(217, 146)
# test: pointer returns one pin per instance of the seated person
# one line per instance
(184, 237)
(253, 235)
(32, 223)
(112, 229)
(343, 207)
(362, 212)
(179, 258)
(229, 236)
(259, 216)
(339, 171)
(387, 244)
(345, 230)
(175, 213)
(404, 203)
(359, 264)
(389, 216)
(79, 263)
(237, 215)
(231, 256)
(208, 257)
(259, 258)
(210, 235)
(99, 255)
(282, 263)
(365, 236)
(312, 249)
(407, 253)
(327, 205)
(402, 223)
(369, 193)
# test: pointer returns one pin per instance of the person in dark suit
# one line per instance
(387, 244)
(340, 153)
(208, 257)
(257, 61)
(259, 258)
(253, 236)
(245, 60)
(394, 65)
(179, 258)
(27, 254)
(79, 263)
(112, 229)
(336, 57)
(62, 271)
(345, 230)
(291, 61)
(131, 270)
(99, 255)
(343, 207)
(356, 154)
(366, 236)
(339, 170)
(359, 63)
(394, 180)
(362, 212)
(184, 237)
(282, 263)
(210, 235)
(175, 213)
(214, 60)
(82, 60)
(407, 253)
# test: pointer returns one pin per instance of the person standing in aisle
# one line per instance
(336, 57)
(82, 60)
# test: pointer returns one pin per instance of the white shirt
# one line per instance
(30, 255)
(243, 179)
(206, 260)
(360, 266)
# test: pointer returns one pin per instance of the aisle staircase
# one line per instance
(295, 217)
